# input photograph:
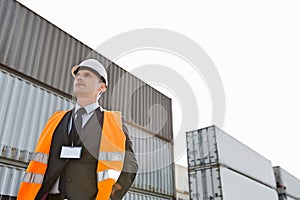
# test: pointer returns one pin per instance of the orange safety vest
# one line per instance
(110, 158)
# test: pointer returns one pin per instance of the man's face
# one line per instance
(86, 84)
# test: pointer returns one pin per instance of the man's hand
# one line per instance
(116, 188)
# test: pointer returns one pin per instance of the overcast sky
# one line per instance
(254, 46)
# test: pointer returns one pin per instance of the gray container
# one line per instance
(10, 180)
(35, 49)
(221, 183)
(25, 108)
(155, 160)
(210, 146)
(156, 177)
(288, 186)
(35, 80)
(142, 196)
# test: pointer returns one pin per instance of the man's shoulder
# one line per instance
(59, 114)
(114, 113)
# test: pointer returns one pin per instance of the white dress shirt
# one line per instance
(90, 110)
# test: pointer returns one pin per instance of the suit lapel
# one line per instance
(65, 127)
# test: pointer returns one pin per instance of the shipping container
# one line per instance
(13, 176)
(221, 183)
(142, 196)
(31, 105)
(25, 109)
(155, 160)
(156, 177)
(288, 186)
(10, 180)
(36, 49)
(182, 182)
(35, 81)
(210, 146)
(290, 198)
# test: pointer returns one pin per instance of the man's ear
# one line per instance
(102, 87)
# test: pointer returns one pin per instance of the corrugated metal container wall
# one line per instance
(290, 185)
(182, 182)
(205, 184)
(140, 196)
(34, 47)
(25, 109)
(140, 104)
(10, 179)
(211, 145)
(220, 183)
(42, 54)
(30, 106)
(15, 174)
(236, 187)
(155, 162)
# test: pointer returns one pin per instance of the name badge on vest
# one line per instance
(70, 152)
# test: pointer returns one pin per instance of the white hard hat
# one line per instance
(94, 65)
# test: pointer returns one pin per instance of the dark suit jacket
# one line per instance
(80, 174)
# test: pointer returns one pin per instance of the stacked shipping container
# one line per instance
(222, 168)
(35, 81)
(182, 185)
(288, 186)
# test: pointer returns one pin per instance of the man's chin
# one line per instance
(80, 93)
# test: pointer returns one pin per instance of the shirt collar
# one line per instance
(89, 108)
(101, 109)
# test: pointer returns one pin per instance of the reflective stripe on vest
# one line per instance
(40, 157)
(111, 156)
(33, 178)
(36, 170)
(110, 173)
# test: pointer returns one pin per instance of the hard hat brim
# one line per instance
(74, 70)
(93, 65)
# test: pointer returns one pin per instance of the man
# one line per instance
(84, 153)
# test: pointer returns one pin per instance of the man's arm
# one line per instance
(129, 170)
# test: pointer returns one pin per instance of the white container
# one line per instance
(181, 182)
(210, 146)
(220, 183)
(290, 198)
(289, 185)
